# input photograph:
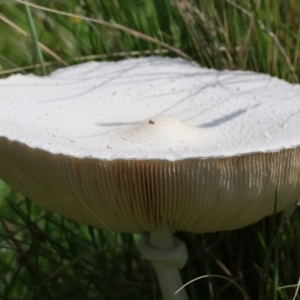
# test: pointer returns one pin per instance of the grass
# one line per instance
(44, 256)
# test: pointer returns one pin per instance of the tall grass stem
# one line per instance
(35, 38)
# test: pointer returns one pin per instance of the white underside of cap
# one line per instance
(150, 108)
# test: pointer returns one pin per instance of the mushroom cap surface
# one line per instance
(128, 145)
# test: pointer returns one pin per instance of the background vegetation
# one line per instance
(44, 256)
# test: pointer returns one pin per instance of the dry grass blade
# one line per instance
(198, 24)
(215, 276)
(86, 58)
(297, 289)
(270, 33)
(25, 68)
(43, 47)
(111, 25)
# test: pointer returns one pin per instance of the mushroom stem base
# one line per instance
(167, 255)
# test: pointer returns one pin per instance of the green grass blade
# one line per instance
(35, 38)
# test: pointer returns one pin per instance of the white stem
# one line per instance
(163, 238)
(170, 281)
(167, 255)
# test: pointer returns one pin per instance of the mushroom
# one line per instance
(153, 144)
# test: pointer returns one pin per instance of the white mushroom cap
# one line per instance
(126, 145)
